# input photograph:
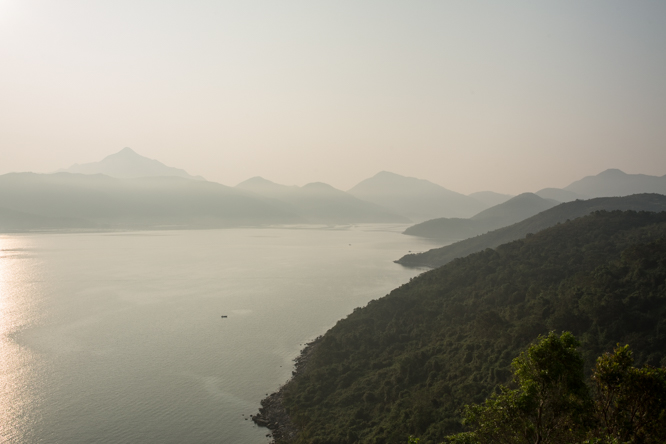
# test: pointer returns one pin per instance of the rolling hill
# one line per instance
(558, 214)
(513, 210)
(416, 199)
(321, 203)
(615, 182)
(609, 183)
(490, 198)
(150, 202)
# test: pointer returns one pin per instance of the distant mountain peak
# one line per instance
(490, 198)
(525, 196)
(127, 151)
(388, 174)
(258, 184)
(398, 178)
(417, 199)
(257, 180)
(612, 172)
(318, 186)
(127, 163)
(614, 182)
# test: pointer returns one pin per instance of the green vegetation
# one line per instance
(549, 405)
(630, 404)
(552, 403)
(407, 363)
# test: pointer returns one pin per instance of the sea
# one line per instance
(173, 336)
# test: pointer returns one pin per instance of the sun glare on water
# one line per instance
(14, 359)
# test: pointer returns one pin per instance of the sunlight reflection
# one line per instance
(13, 358)
(5, 271)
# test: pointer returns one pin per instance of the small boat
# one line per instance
(224, 316)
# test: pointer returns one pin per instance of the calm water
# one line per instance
(118, 337)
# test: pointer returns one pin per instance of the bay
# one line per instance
(119, 337)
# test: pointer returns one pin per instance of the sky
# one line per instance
(507, 96)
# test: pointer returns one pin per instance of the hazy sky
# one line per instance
(508, 96)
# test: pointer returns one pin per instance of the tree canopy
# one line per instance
(551, 403)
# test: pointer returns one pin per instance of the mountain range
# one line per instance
(73, 201)
(321, 203)
(127, 190)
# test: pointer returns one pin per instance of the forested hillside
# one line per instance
(561, 213)
(405, 364)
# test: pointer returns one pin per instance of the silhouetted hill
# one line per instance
(266, 188)
(570, 210)
(321, 203)
(609, 183)
(128, 164)
(152, 202)
(406, 363)
(416, 199)
(614, 182)
(490, 198)
(513, 210)
(560, 195)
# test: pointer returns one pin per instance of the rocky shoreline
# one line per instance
(273, 414)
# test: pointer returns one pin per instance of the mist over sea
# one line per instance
(118, 337)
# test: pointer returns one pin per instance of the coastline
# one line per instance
(272, 413)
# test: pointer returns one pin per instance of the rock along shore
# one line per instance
(273, 414)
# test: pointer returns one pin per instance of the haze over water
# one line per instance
(118, 337)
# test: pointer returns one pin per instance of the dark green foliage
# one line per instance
(630, 404)
(406, 364)
(551, 404)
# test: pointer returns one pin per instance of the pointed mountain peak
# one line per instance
(127, 154)
(388, 174)
(127, 151)
(127, 163)
(256, 180)
(612, 172)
